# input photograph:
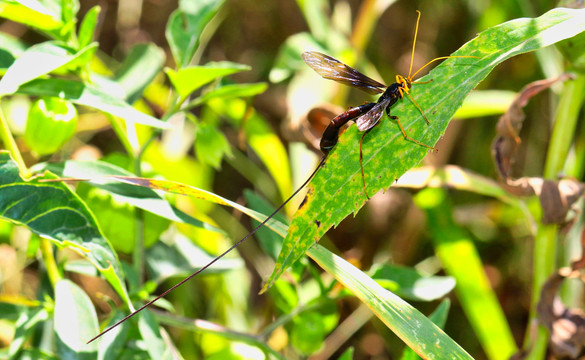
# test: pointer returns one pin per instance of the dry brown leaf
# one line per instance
(506, 143)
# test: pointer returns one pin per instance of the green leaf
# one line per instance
(25, 324)
(113, 343)
(36, 61)
(316, 13)
(185, 26)
(141, 65)
(181, 258)
(400, 317)
(189, 79)
(11, 48)
(262, 139)
(337, 190)
(458, 178)
(139, 197)
(308, 332)
(87, 27)
(34, 15)
(412, 327)
(156, 346)
(211, 145)
(178, 188)
(88, 95)
(461, 260)
(271, 151)
(36, 354)
(69, 9)
(229, 92)
(53, 211)
(347, 354)
(485, 103)
(270, 242)
(75, 322)
(117, 220)
(81, 59)
(439, 317)
(409, 284)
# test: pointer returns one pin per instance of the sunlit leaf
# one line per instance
(230, 91)
(140, 66)
(485, 103)
(189, 79)
(185, 26)
(412, 327)
(88, 95)
(211, 145)
(337, 190)
(87, 26)
(28, 318)
(181, 257)
(409, 284)
(139, 197)
(53, 211)
(75, 321)
(36, 61)
(439, 317)
(34, 15)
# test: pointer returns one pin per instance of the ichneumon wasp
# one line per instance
(366, 117)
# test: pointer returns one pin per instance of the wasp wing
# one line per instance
(372, 117)
(332, 69)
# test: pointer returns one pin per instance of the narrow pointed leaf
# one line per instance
(409, 324)
(183, 189)
(88, 25)
(139, 197)
(337, 190)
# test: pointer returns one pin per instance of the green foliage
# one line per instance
(53, 211)
(141, 214)
(337, 190)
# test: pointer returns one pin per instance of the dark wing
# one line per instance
(332, 69)
(372, 117)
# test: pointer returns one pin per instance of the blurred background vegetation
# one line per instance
(237, 145)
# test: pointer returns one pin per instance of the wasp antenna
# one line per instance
(413, 44)
(216, 258)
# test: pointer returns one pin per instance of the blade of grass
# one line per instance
(461, 260)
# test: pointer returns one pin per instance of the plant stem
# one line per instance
(49, 261)
(545, 242)
(567, 115)
(10, 144)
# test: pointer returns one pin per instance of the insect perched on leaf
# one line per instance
(367, 115)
